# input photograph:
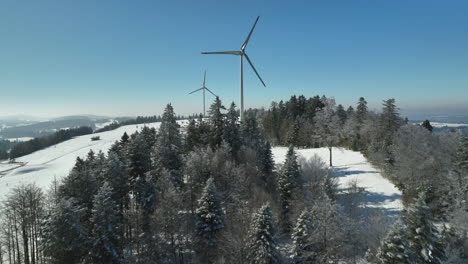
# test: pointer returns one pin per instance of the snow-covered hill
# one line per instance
(43, 166)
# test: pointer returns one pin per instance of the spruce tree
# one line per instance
(105, 240)
(424, 239)
(209, 221)
(262, 245)
(192, 139)
(303, 251)
(427, 124)
(217, 123)
(168, 148)
(341, 113)
(361, 111)
(231, 130)
(393, 248)
(293, 133)
(288, 180)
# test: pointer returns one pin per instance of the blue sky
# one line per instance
(132, 57)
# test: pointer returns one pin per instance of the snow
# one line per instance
(41, 167)
(352, 166)
(440, 124)
(19, 139)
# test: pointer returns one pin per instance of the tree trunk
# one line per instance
(330, 149)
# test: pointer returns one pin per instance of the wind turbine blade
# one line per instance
(210, 91)
(223, 52)
(250, 34)
(196, 90)
(204, 79)
(251, 64)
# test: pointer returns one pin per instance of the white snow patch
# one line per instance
(350, 166)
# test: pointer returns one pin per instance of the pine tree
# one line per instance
(66, 233)
(231, 130)
(424, 239)
(250, 132)
(303, 251)
(350, 112)
(265, 157)
(216, 122)
(288, 180)
(124, 138)
(209, 221)
(168, 148)
(262, 245)
(117, 177)
(105, 221)
(361, 110)
(293, 133)
(341, 113)
(427, 125)
(138, 156)
(192, 139)
(393, 248)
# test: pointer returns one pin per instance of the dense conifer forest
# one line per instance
(213, 194)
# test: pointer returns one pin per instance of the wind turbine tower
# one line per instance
(242, 54)
(204, 88)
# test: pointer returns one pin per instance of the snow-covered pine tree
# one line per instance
(168, 148)
(288, 180)
(394, 247)
(293, 133)
(341, 113)
(217, 123)
(303, 251)
(262, 245)
(250, 132)
(117, 177)
(361, 111)
(66, 234)
(231, 130)
(105, 240)
(265, 157)
(192, 138)
(209, 222)
(424, 239)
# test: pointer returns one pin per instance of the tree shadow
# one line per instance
(344, 172)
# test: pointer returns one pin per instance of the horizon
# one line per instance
(129, 59)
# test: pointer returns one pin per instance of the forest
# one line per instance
(213, 194)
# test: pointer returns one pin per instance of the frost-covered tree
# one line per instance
(192, 138)
(216, 122)
(288, 181)
(394, 247)
(117, 177)
(462, 154)
(341, 113)
(424, 239)
(262, 245)
(232, 130)
(168, 148)
(293, 134)
(209, 222)
(303, 249)
(328, 126)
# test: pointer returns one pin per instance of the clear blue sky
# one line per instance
(132, 57)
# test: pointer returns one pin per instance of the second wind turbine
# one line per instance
(204, 88)
(242, 54)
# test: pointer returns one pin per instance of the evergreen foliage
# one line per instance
(216, 122)
(232, 130)
(303, 249)
(394, 247)
(262, 245)
(427, 124)
(288, 181)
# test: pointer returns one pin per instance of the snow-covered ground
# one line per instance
(20, 139)
(42, 166)
(439, 124)
(352, 166)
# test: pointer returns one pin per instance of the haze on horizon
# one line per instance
(125, 58)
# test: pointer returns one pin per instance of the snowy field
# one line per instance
(352, 166)
(43, 166)
(439, 124)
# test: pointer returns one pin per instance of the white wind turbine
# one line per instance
(242, 54)
(204, 88)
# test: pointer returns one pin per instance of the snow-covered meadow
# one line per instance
(43, 166)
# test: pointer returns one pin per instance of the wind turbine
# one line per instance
(242, 54)
(204, 88)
